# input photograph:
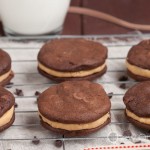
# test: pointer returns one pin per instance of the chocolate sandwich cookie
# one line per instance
(6, 73)
(7, 102)
(138, 61)
(74, 108)
(72, 59)
(137, 101)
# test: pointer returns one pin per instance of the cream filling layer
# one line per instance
(7, 117)
(138, 71)
(137, 118)
(74, 127)
(5, 76)
(71, 74)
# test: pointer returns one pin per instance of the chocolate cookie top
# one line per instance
(137, 99)
(74, 102)
(5, 62)
(139, 55)
(72, 54)
(7, 100)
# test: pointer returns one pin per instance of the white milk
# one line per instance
(33, 17)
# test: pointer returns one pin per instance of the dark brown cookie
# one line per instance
(2, 128)
(7, 80)
(72, 55)
(137, 101)
(5, 62)
(5, 67)
(74, 133)
(7, 102)
(138, 124)
(137, 77)
(139, 56)
(74, 102)
(57, 79)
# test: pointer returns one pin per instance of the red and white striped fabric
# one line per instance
(122, 147)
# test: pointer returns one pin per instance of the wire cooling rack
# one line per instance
(27, 134)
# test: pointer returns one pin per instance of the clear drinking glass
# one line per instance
(33, 17)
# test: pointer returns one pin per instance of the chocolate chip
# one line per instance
(122, 143)
(110, 95)
(9, 85)
(148, 131)
(123, 78)
(37, 93)
(16, 105)
(137, 142)
(127, 133)
(58, 143)
(35, 140)
(19, 92)
(123, 86)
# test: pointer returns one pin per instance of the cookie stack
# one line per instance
(7, 100)
(75, 107)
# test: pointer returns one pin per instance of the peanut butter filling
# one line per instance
(137, 118)
(5, 76)
(7, 117)
(71, 74)
(74, 127)
(137, 70)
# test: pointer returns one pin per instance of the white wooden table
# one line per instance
(23, 52)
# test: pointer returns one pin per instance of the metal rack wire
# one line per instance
(23, 51)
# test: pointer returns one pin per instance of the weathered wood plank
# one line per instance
(31, 67)
(21, 54)
(27, 123)
(31, 78)
(28, 145)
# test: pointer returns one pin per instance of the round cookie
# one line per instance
(72, 59)
(5, 68)
(138, 64)
(7, 102)
(74, 108)
(137, 101)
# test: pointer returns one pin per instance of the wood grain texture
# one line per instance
(73, 22)
(130, 10)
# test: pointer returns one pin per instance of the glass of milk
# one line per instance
(33, 17)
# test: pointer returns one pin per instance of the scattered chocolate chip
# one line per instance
(149, 132)
(16, 105)
(110, 95)
(9, 85)
(137, 142)
(58, 143)
(123, 86)
(19, 92)
(123, 78)
(127, 133)
(122, 143)
(37, 93)
(35, 140)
